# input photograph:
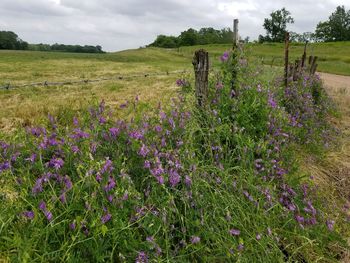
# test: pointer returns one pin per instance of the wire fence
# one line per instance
(86, 81)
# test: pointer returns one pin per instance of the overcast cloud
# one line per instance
(125, 24)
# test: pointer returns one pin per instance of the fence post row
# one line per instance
(201, 69)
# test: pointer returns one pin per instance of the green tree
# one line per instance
(189, 37)
(10, 40)
(276, 26)
(337, 28)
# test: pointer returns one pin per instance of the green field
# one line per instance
(25, 105)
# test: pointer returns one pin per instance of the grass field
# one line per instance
(25, 105)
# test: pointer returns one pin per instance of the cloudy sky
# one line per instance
(125, 24)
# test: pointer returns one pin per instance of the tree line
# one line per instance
(192, 37)
(10, 40)
(336, 28)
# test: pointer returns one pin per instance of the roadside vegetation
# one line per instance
(172, 182)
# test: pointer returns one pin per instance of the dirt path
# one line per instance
(336, 81)
(335, 169)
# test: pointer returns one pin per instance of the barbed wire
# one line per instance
(85, 81)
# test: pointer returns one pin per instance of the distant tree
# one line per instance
(276, 26)
(165, 42)
(337, 28)
(188, 37)
(10, 40)
(191, 37)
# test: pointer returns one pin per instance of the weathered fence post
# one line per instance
(313, 65)
(286, 58)
(235, 33)
(201, 69)
(304, 55)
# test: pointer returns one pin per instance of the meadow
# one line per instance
(24, 106)
(118, 171)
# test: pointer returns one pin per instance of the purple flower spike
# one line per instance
(143, 151)
(56, 163)
(174, 178)
(28, 214)
(225, 57)
(72, 226)
(106, 218)
(330, 224)
(235, 232)
(42, 206)
(48, 215)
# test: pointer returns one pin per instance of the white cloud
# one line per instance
(121, 24)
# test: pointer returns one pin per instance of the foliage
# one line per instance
(337, 28)
(276, 26)
(182, 185)
(191, 37)
(9, 40)
(66, 48)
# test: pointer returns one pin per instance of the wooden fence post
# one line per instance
(304, 55)
(201, 69)
(286, 58)
(235, 33)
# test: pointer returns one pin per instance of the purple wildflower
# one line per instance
(219, 85)
(105, 218)
(48, 215)
(79, 134)
(195, 239)
(28, 214)
(114, 131)
(272, 102)
(258, 236)
(107, 167)
(67, 182)
(188, 181)
(143, 150)
(72, 226)
(75, 149)
(42, 206)
(225, 56)
(234, 232)
(56, 163)
(141, 257)
(31, 158)
(240, 247)
(147, 164)
(111, 184)
(330, 224)
(4, 166)
(158, 128)
(174, 178)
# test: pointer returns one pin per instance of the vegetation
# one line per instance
(193, 37)
(26, 106)
(276, 26)
(66, 48)
(9, 40)
(175, 184)
(337, 28)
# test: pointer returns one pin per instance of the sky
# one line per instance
(126, 24)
